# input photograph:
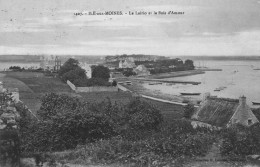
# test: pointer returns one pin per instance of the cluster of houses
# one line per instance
(132, 58)
(50, 62)
(54, 63)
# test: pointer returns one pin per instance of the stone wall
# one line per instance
(71, 85)
(97, 89)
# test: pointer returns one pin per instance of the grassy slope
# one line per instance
(32, 86)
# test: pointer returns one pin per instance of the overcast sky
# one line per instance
(208, 27)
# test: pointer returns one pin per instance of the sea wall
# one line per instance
(92, 88)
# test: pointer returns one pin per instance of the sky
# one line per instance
(207, 27)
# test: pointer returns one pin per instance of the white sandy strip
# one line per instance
(153, 98)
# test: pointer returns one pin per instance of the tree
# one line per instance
(100, 72)
(75, 74)
(70, 64)
(189, 63)
(142, 115)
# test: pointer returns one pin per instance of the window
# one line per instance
(249, 122)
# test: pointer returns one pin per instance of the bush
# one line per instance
(160, 148)
(73, 75)
(100, 72)
(240, 141)
(67, 121)
(69, 65)
(189, 110)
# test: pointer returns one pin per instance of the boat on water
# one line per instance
(217, 89)
(190, 94)
(155, 83)
(256, 69)
(256, 103)
(220, 88)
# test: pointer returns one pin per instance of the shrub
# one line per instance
(73, 75)
(100, 72)
(239, 140)
(67, 121)
(189, 110)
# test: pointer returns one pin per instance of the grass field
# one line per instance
(32, 86)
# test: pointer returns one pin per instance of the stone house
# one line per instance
(50, 63)
(223, 112)
(126, 64)
(141, 70)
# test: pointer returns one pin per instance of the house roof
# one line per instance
(222, 112)
(217, 111)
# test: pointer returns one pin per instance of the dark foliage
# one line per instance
(189, 110)
(73, 75)
(239, 140)
(70, 64)
(100, 72)
(15, 68)
(67, 121)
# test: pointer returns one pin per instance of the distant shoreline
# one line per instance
(175, 74)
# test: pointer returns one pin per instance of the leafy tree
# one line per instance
(73, 75)
(100, 72)
(142, 115)
(239, 140)
(189, 63)
(70, 64)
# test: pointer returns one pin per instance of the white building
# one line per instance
(126, 64)
(50, 62)
(87, 68)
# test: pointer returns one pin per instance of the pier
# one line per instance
(166, 81)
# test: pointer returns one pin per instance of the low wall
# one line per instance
(123, 88)
(97, 89)
(71, 85)
(92, 88)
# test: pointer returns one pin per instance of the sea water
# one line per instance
(238, 77)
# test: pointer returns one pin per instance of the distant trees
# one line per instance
(100, 72)
(75, 74)
(69, 65)
(71, 71)
(167, 65)
(15, 68)
(189, 64)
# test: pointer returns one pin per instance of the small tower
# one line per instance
(57, 64)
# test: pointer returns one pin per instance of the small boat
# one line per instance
(256, 69)
(220, 88)
(256, 103)
(190, 94)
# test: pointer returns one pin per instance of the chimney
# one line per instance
(242, 100)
